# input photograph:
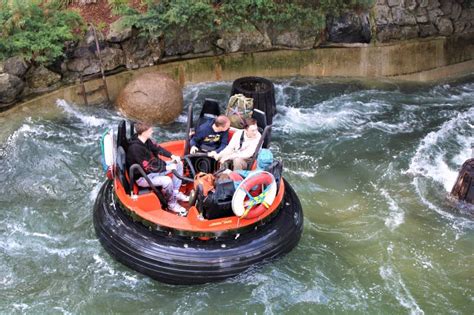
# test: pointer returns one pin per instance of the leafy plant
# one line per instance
(197, 18)
(262, 14)
(118, 5)
(173, 18)
(35, 30)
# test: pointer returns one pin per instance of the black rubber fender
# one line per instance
(182, 260)
(261, 90)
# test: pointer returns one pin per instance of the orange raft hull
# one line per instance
(147, 207)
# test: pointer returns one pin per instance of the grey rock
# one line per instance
(467, 15)
(402, 16)
(434, 14)
(428, 30)
(411, 4)
(203, 45)
(349, 28)
(178, 45)
(294, 39)
(41, 77)
(383, 15)
(393, 3)
(381, 2)
(112, 58)
(456, 11)
(89, 40)
(423, 3)
(118, 32)
(433, 4)
(460, 26)
(141, 51)
(445, 26)
(244, 41)
(82, 52)
(388, 32)
(10, 87)
(16, 66)
(446, 6)
(422, 15)
(409, 32)
(94, 67)
(78, 64)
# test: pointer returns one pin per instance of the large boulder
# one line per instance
(10, 87)
(152, 97)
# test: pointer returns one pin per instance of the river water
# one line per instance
(372, 163)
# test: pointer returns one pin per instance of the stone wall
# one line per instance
(406, 19)
(123, 48)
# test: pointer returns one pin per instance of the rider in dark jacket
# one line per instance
(211, 136)
(145, 152)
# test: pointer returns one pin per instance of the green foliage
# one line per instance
(118, 5)
(262, 14)
(60, 4)
(174, 18)
(196, 18)
(35, 30)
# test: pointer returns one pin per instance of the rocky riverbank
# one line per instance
(123, 48)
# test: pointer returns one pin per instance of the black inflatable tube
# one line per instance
(181, 260)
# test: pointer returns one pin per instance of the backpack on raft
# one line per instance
(205, 181)
(238, 109)
(217, 203)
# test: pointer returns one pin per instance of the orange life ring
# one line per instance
(257, 204)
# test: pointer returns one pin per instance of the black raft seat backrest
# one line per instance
(122, 169)
(122, 140)
(210, 110)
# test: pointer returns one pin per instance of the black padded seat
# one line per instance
(210, 110)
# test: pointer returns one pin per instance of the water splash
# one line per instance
(434, 159)
(87, 120)
(396, 215)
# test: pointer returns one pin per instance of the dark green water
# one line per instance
(371, 161)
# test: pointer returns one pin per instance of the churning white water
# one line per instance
(372, 163)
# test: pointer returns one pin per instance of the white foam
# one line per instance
(396, 215)
(310, 120)
(95, 191)
(430, 159)
(395, 285)
(403, 127)
(85, 119)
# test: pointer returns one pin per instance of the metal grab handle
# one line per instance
(189, 125)
(182, 177)
(158, 193)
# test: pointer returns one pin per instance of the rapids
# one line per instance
(372, 162)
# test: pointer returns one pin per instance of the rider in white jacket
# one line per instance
(241, 147)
